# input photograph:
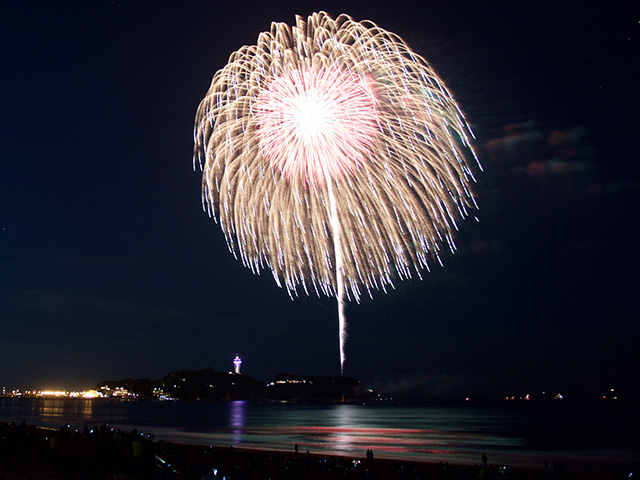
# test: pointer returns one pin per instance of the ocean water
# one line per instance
(583, 435)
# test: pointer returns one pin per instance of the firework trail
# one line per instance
(334, 156)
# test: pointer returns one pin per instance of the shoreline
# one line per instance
(105, 453)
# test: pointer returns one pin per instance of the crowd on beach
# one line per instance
(70, 452)
(102, 452)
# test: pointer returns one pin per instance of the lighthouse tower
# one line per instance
(236, 365)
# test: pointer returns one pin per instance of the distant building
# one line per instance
(236, 365)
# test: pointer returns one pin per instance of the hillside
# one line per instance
(208, 384)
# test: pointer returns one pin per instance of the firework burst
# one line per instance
(334, 156)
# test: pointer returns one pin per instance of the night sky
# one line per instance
(109, 268)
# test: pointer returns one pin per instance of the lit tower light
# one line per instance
(236, 364)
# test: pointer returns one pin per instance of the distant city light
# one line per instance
(88, 394)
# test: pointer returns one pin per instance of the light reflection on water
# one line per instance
(237, 413)
(457, 434)
(60, 408)
(352, 429)
(342, 437)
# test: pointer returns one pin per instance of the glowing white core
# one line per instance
(314, 118)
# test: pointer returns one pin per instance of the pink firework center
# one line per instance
(317, 123)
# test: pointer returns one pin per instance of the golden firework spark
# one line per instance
(334, 156)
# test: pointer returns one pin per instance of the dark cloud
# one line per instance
(81, 260)
(80, 306)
